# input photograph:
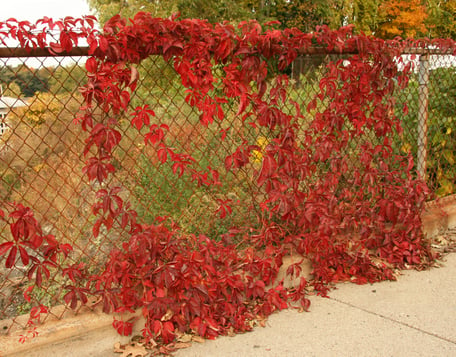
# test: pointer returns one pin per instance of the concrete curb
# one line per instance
(54, 330)
(439, 216)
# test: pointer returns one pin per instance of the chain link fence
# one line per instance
(41, 160)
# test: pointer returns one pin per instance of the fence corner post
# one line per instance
(423, 91)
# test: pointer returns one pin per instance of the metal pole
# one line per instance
(423, 98)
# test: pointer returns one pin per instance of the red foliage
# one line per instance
(339, 221)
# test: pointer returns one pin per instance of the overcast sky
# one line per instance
(33, 10)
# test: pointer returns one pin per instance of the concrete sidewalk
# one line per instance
(414, 316)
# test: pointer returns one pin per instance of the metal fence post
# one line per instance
(423, 80)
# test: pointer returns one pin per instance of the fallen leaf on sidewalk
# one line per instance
(446, 242)
(198, 339)
(130, 350)
(184, 338)
(180, 345)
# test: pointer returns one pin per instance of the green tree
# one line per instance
(28, 79)
(106, 9)
(216, 11)
(11, 89)
(365, 15)
(305, 14)
(67, 79)
(442, 18)
(212, 10)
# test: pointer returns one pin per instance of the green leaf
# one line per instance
(449, 156)
(446, 187)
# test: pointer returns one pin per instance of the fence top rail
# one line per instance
(18, 52)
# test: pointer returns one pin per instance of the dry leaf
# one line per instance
(185, 338)
(180, 345)
(166, 350)
(198, 339)
(260, 320)
(118, 348)
(130, 350)
(168, 315)
(134, 75)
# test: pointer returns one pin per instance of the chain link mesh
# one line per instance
(41, 157)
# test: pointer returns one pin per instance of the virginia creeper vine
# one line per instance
(354, 222)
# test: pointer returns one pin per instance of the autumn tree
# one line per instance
(403, 18)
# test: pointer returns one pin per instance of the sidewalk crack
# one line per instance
(395, 321)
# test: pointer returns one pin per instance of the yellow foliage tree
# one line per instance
(43, 106)
(403, 18)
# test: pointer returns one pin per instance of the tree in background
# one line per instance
(303, 14)
(381, 18)
(28, 79)
(11, 89)
(365, 15)
(128, 8)
(213, 10)
(306, 14)
(67, 79)
(442, 19)
(403, 18)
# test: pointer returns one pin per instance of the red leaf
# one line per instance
(24, 255)
(123, 328)
(162, 154)
(312, 105)
(224, 207)
(243, 103)
(4, 247)
(70, 299)
(228, 162)
(91, 65)
(167, 332)
(96, 227)
(405, 109)
(11, 257)
(38, 276)
(305, 303)
(268, 168)
(26, 293)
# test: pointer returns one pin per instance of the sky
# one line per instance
(33, 10)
